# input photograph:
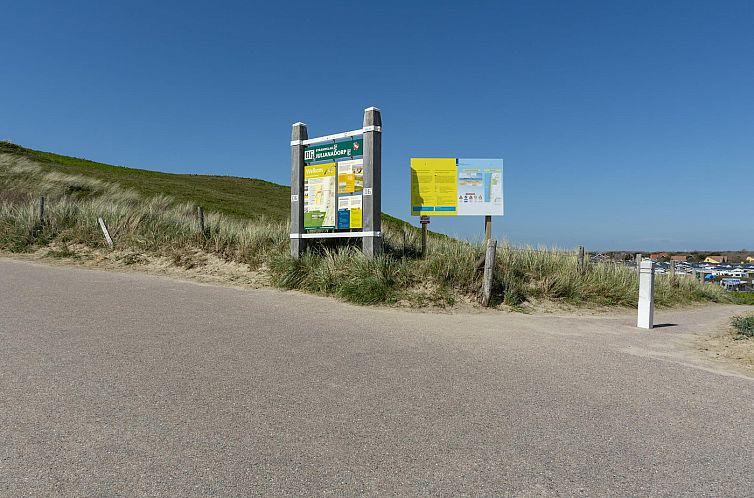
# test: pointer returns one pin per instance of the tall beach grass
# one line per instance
(160, 225)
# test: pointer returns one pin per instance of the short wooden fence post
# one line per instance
(105, 232)
(200, 217)
(489, 271)
(41, 210)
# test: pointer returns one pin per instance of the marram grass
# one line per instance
(159, 225)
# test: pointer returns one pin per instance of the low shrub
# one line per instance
(743, 325)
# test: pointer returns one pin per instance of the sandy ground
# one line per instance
(733, 350)
(198, 267)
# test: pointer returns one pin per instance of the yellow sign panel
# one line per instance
(350, 176)
(434, 185)
(356, 211)
(319, 171)
(346, 183)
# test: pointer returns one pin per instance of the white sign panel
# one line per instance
(480, 187)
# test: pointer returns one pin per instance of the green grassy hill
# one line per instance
(238, 197)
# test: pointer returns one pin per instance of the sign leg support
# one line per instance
(372, 195)
(298, 244)
(424, 240)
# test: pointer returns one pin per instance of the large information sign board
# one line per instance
(456, 187)
(335, 185)
(333, 195)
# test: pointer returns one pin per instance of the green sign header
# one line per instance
(329, 152)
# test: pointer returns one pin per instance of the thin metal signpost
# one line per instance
(328, 148)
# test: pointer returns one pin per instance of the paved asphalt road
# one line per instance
(123, 384)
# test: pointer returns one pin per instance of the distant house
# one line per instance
(716, 259)
(749, 259)
(680, 258)
(657, 255)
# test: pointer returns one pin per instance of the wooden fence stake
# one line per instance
(41, 210)
(104, 231)
(489, 270)
(581, 259)
(200, 215)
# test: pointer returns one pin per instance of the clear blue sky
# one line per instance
(623, 124)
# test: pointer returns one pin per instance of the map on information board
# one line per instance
(480, 187)
(320, 194)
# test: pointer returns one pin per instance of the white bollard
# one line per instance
(646, 295)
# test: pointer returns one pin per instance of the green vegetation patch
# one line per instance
(742, 297)
(743, 325)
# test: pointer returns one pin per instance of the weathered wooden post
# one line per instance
(487, 227)
(106, 233)
(638, 261)
(581, 259)
(424, 220)
(372, 194)
(489, 271)
(298, 135)
(200, 217)
(646, 295)
(672, 268)
(41, 211)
